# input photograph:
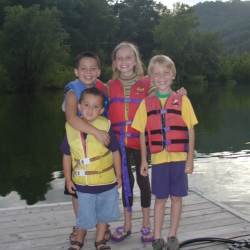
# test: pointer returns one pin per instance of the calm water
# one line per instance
(32, 128)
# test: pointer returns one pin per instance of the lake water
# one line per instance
(32, 128)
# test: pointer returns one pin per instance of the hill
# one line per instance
(232, 19)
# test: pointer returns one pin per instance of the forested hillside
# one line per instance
(40, 39)
(232, 19)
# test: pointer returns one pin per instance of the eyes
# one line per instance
(88, 105)
(127, 58)
(91, 69)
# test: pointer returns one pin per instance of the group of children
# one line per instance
(144, 117)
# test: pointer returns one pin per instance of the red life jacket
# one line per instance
(117, 109)
(165, 127)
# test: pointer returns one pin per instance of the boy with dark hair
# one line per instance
(93, 175)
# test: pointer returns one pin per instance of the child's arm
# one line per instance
(190, 161)
(144, 162)
(79, 124)
(118, 168)
(67, 173)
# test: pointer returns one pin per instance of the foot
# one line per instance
(159, 244)
(76, 245)
(173, 243)
(101, 245)
(147, 234)
(120, 234)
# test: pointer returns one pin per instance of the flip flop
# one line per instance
(147, 231)
(121, 231)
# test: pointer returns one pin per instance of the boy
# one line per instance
(87, 69)
(168, 119)
(93, 172)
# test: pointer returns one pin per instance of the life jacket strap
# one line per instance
(167, 129)
(124, 123)
(127, 134)
(163, 111)
(167, 142)
(126, 100)
(85, 172)
(85, 161)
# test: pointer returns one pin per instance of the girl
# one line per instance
(127, 89)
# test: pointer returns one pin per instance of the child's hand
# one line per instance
(103, 137)
(144, 169)
(119, 182)
(71, 187)
(189, 167)
(182, 91)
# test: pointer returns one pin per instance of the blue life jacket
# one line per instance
(77, 86)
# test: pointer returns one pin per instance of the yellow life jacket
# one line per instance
(92, 163)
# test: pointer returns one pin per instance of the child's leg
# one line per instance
(159, 212)
(101, 228)
(75, 205)
(80, 233)
(144, 185)
(175, 214)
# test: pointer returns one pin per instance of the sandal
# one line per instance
(76, 243)
(101, 242)
(146, 231)
(73, 234)
(120, 231)
(107, 235)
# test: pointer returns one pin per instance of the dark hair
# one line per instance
(87, 54)
(93, 91)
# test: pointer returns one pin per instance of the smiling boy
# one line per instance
(93, 174)
(169, 121)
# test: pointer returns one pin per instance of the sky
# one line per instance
(169, 3)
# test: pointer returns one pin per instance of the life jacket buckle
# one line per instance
(84, 161)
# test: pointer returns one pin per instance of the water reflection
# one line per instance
(32, 128)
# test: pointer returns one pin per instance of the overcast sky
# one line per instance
(169, 3)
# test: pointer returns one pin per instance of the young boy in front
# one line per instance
(169, 121)
(93, 173)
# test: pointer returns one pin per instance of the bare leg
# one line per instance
(127, 223)
(146, 221)
(101, 228)
(75, 205)
(175, 214)
(159, 212)
(80, 233)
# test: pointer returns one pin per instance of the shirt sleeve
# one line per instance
(140, 119)
(187, 113)
(114, 144)
(65, 146)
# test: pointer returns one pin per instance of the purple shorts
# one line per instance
(169, 179)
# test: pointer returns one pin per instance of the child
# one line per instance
(87, 70)
(127, 90)
(93, 172)
(168, 119)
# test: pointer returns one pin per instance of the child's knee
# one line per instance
(175, 199)
(160, 201)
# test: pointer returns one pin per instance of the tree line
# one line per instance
(39, 40)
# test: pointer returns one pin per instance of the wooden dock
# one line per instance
(48, 226)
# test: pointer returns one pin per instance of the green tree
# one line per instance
(174, 35)
(137, 21)
(31, 44)
(241, 66)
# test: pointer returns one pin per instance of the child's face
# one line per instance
(91, 107)
(88, 71)
(125, 61)
(162, 77)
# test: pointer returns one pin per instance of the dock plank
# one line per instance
(48, 226)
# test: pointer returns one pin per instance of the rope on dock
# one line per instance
(236, 244)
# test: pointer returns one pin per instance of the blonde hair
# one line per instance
(138, 68)
(162, 60)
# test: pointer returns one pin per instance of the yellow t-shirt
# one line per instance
(188, 117)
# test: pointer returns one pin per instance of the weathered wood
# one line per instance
(49, 226)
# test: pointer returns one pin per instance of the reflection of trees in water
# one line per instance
(222, 112)
(32, 128)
